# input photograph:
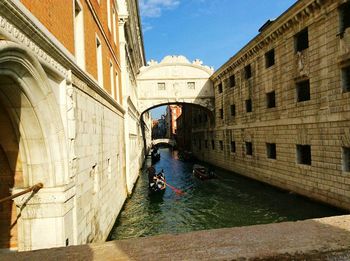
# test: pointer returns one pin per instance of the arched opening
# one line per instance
(185, 118)
(32, 144)
(11, 175)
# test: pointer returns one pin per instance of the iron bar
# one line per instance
(34, 188)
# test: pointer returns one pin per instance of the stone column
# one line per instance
(123, 17)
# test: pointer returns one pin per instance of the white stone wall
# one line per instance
(70, 137)
(100, 180)
(176, 72)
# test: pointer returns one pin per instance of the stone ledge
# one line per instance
(314, 239)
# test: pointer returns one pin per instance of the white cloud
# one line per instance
(146, 27)
(153, 8)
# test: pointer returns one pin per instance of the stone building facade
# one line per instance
(132, 59)
(62, 120)
(282, 105)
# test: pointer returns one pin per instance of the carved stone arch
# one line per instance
(27, 96)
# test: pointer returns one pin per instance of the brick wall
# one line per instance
(57, 17)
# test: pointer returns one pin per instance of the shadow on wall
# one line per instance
(10, 161)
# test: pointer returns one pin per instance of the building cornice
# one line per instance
(292, 16)
(141, 35)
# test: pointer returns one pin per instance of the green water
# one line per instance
(230, 201)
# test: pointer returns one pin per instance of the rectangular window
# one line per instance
(206, 144)
(344, 15)
(304, 154)
(248, 105)
(270, 100)
(270, 58)
(212, 144)
(301, 40)
(99, 62)
(220, 88)
(271, 150)
(109, 14)
(221, 145)
(345, 73)
(232, 81)
(205, 117)
(346, 159)
(199, 144)
(233, 110)
(79, 47)
(191, 85)
(233, 146)
(249, 148)
(111, 75)
(114, 25)
(221, 113)
(248, 71)
(303, 91)
(116, 95)
(161, 86)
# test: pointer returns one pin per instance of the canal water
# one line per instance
(229, 201)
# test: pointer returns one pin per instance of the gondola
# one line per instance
(157, 183)
(203, 173)
(186, 156)
(155, 155)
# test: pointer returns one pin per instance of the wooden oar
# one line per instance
(176, 190)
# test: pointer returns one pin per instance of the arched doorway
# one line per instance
(32, 148)
(10, 176)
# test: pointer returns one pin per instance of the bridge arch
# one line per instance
(170, 142)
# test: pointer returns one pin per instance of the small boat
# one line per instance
(186, 156)
(155, 155)
(157, 184)
(203, 173)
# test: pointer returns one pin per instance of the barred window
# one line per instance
(270, 99)
(271, 150)
(191, 85)
(303, 91)
(161, 86)
(249, 148)
(304, 154)
(270, 58)
(301, 40)
(248, 105)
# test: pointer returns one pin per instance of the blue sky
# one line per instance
(210, 30)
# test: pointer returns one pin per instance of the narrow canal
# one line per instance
(230, 201)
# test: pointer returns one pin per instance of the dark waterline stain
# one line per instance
(230, 201)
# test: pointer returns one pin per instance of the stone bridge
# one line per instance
(175, 80)
(171, 142)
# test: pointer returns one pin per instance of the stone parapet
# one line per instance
(314, 239)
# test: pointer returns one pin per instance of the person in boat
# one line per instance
(159, 179)
(211, 173)
(151, 174)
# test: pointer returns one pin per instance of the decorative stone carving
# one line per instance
(71, 120)
(16, 35)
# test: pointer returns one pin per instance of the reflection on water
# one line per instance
(229, 201)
